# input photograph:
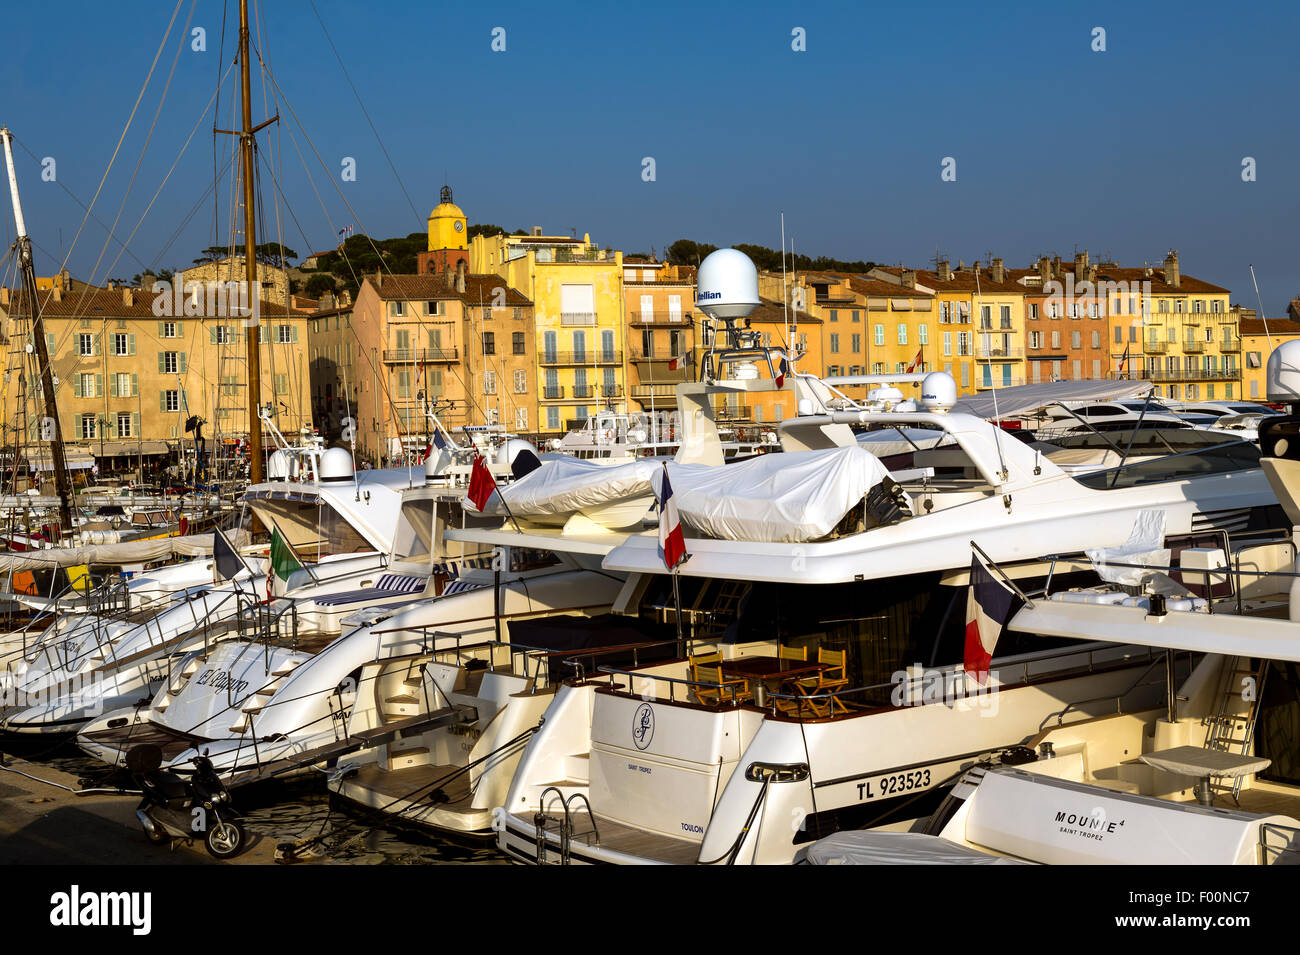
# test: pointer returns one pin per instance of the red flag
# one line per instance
(677, 362)
(481, 484)
(915, 361)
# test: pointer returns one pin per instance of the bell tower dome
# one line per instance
(448, 238)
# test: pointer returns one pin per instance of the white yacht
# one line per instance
(118, 650)
(821, 562)
(1211, 776)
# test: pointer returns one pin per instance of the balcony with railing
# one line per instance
(1230, 344)
(638, 318)
(552, 392)
(584, 391)
(999, 382)
(654, 391)
(1193, 346)
(1155, 346)
(997, 352)
(611, 391)
(1193, 374)
(420, 355)
(577, 318)
(599, 357)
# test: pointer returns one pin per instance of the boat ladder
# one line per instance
(1231, 730)
(561, 825)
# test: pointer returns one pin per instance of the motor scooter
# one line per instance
(172, 807)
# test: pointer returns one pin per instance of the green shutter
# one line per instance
(112, 386)
(180, 362)
(99, 386)
(135, 384)
(162, 329)
(293, 334)
(212, 335)
(135, 423)
(162, 363)
(76, 386)
(49, 344)
(130, 344)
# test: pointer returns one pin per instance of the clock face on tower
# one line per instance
(459, 225)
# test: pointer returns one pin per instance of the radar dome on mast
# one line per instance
(727, 285)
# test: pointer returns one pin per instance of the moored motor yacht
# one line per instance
(853, 579)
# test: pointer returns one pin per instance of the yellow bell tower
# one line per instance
(447, 225)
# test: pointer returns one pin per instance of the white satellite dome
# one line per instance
(510, 449)
(727, 284)
(938, 391)
(336, 465)
(1283, 373)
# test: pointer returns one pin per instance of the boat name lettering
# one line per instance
(221, 680)
(896, 783)
(1088, 825)
(691, 827)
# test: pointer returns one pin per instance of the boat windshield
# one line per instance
(1198, 462)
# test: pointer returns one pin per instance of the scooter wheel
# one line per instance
(225, 839)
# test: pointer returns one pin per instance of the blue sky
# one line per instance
(1127, 153)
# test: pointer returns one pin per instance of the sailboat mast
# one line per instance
(25, 263)
(250, 260)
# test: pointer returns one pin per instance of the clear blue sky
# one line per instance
(1129, 152)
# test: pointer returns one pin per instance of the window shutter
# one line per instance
(293, 334)
(112, 386)
(180, 362)
(76, 386)
(49, 344)
(135, 385)
(99, 386)
(162, 329)
(261, 334)
(162, 363)
(135, 423)
(130, 344)
(212, 335)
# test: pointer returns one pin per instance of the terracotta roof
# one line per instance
(963, 281)
(479, 289)
(865, 285)
(109, 303)
(769, 312)
(1281, 327)
(1188, 285)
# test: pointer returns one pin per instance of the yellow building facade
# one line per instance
(577, 294)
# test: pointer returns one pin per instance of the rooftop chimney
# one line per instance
(58, 294)
(537, 230)
(128, 297)
(379, 278)
(1171, 269)
(1080, 265)
(1044, 270)
(945, 271)
(461, 269)
(997, 273)
(448, 276)
(908, 277)
(4, 297)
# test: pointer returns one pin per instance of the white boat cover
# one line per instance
(129, 552)
(783, 498)
(565, 485)
(1022, 399)
(897, 848)
(1142, 547)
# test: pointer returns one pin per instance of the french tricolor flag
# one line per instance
(678, 362)
(989, 606)
(672, 542)
(782, 369)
